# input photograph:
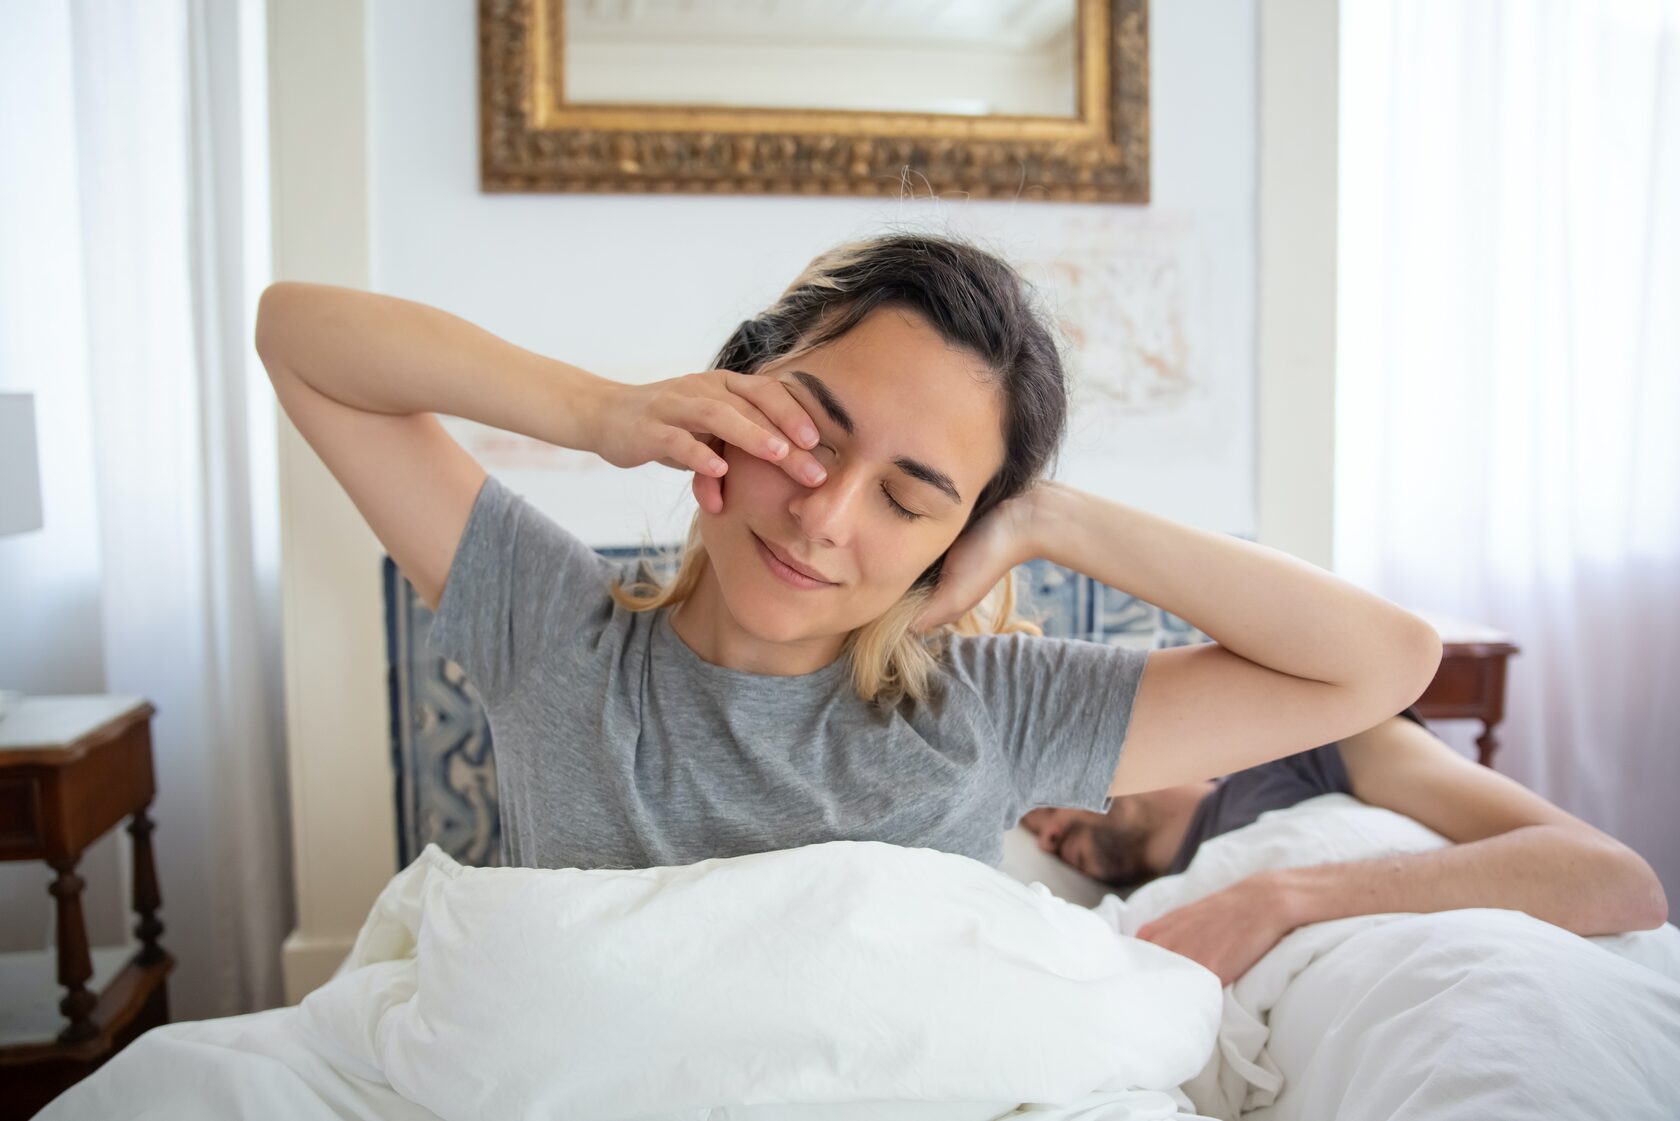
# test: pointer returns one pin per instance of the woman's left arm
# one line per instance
(1300, 657)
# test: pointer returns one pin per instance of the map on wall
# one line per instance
(1123, 317)
(1155, 373)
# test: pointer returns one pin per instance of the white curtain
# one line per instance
(1509, 369)
(171, 234)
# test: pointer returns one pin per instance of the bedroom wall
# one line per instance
(1160, 304)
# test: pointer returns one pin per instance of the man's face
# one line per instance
(1107, 847)
(907, 397)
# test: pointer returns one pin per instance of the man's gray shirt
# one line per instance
(617, 746)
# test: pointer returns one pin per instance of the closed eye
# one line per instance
(907, 515)
(900, 511)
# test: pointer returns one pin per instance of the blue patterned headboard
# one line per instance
(441, 756)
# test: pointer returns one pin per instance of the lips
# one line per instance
(805, 569)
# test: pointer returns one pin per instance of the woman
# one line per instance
(835, 657)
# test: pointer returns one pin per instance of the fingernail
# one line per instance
(815, 474)
(807, 435)
(778, 447)
(716, 466)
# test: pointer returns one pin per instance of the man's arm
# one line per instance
(1513, 850)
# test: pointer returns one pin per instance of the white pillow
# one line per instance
(1025, 861)
(852, 971)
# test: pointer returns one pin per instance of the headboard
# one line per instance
(442, 760)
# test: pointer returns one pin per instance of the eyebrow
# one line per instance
(831, 405)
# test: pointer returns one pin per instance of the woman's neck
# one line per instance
(706, 626)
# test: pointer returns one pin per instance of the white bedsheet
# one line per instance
(835, 982)
(1471, 1014)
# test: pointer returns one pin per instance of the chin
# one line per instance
(770, 622)
(763, 606)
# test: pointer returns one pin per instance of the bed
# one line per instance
(855, 980)
(852, 981)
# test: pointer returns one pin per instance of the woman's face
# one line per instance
(907, 399)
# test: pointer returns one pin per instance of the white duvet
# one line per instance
(856, 981)
(841, 981)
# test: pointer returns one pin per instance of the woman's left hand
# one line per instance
(979, 558)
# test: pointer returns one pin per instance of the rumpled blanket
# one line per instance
(833, 982)
(1469, 1014)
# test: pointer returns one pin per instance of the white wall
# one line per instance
(1298, 101)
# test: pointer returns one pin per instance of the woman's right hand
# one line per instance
(684, 422)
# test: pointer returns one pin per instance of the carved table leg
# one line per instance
(146, 898)
(1486, 744)
(74, 964)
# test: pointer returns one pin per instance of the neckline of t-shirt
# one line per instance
(687, 655)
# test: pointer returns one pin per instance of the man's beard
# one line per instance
(1118, 852)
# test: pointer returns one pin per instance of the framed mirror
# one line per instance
(1030, 99)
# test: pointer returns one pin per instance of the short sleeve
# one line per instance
(1318, 771)
(1061, 707)
(519, 587)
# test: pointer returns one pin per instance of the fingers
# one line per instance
(686, 451)
(752, 412)
(772, 444)
(769, 402)
(708, 494)
(773, 398)
(740, 422)
(708, 489)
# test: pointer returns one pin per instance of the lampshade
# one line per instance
(20, 475)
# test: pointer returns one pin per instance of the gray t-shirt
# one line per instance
(617, 746)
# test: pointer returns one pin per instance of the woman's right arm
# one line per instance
(361, 375)
(382, 354)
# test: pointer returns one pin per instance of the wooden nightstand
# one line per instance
(1470, 685)
(72, 767)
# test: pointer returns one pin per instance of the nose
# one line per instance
(828, 511)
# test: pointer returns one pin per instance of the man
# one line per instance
(1511, 849)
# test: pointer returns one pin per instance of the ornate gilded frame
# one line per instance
(531, 140)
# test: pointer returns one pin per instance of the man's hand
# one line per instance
(1229, 930)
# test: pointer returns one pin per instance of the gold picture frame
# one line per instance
(532, 140)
